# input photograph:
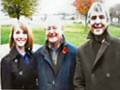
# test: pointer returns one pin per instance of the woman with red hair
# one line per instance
(17, 67)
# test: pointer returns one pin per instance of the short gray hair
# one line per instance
(98, 7)
(53, 19)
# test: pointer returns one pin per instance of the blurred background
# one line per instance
(72, 12)
(34, 12)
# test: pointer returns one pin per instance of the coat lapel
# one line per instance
(46, 56)
(90, 55)
(60, 60)
(100, 52)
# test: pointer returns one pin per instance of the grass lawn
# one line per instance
(38, 33)
(75, 34)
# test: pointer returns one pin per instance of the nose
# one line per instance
(98, 20)
(21, 35)
(51, 30)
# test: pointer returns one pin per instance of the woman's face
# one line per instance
(20, 37)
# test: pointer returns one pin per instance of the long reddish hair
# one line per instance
(25, 28)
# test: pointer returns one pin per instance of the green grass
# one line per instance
(115, 31)
(5, 34)
(75, 34)
(39, 35)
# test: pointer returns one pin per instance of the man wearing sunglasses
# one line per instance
(56, 59)
(98, 60)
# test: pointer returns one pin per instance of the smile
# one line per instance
(97, 26)
(21, 39)
(52, 34)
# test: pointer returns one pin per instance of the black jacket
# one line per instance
(15, 74)
(98, 64)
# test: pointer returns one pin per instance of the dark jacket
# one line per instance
(97, 65)
(48, 77)
(15, 74)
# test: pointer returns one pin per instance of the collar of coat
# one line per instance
(62, 43)
(105, 41)
(45, 49)
(104, 37)
(13, 54)
(45, 52)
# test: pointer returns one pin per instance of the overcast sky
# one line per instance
(53, 6)
(110, 3)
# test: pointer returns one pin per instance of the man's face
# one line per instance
(98, 23)
(54, 33)
(20, 37)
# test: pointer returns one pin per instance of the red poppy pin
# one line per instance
(65, 50)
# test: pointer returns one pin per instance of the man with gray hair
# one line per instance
(56, 59)
(98, 60)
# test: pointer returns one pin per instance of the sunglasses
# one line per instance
(100, 17)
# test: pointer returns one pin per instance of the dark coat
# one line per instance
(98, 71)
(15, 74)
(48, 78)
